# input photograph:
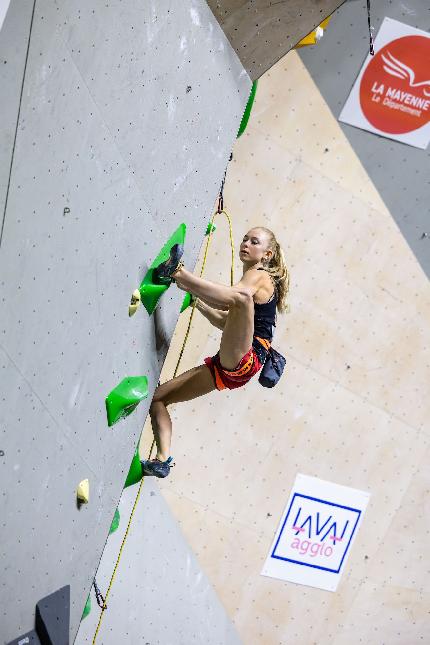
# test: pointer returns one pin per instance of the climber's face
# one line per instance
(254, 248)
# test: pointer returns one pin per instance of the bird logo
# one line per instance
(395, 67)
(394, 88)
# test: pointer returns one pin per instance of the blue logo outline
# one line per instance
(305, 564)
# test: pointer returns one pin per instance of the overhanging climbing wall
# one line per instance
(127, 118)
(262, 31)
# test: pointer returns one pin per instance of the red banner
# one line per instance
(392, 93)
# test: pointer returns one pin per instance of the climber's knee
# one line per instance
(243, 298)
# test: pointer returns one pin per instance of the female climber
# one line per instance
(246, 314)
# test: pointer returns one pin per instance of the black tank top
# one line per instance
(265, 317)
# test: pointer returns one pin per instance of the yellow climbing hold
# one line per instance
(83, 491)
(315, 35)
(134, 302)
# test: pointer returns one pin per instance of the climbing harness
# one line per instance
(101, 601)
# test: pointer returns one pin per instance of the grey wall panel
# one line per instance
(43, 533)
(73, 342)
(14, 37)
(177, 145)
(400, 173)
(159, 595)
(262, 31)
(109, 132)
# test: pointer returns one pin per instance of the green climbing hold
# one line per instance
(188, 300)
(135, 472)
(151, 293)
(125, 398)
(248, 109)
(211, 228)
(87, 607)
(115, 522)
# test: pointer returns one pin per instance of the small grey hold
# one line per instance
(1, 453)
(66, 210)
(152, 493)
(189, 88)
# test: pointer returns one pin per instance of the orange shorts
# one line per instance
(249, 365)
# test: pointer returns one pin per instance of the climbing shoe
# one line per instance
(156, 468)
(163, 273)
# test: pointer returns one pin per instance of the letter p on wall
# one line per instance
(316, 532)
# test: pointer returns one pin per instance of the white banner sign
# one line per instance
(391, 95)
(316, 532)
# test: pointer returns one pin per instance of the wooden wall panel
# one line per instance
(262, 31)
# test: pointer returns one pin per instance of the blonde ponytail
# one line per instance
(277, 268)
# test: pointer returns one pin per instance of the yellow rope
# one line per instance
(175, 373)
(117, 561)
(201, 274)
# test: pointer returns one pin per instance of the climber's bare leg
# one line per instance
(189, 385)
(239, 327)
(238, 331)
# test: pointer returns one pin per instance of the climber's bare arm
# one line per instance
(219, 295)
(216, 318)
(214, 305)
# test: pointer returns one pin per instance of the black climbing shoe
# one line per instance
(163, 273)
(156, 468)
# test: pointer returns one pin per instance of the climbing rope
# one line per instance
(219, 211)
(104, 607)
(187, 333)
